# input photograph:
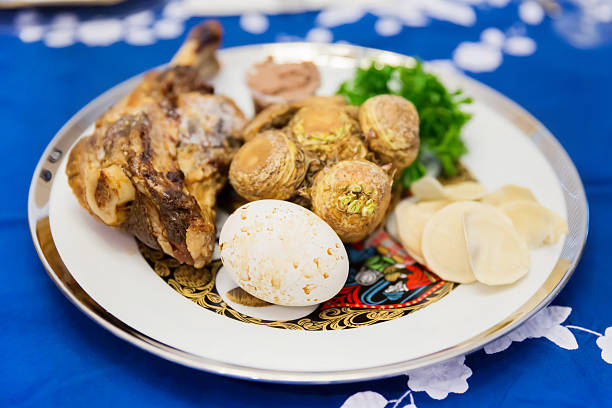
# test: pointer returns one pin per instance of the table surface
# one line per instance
(53, 355)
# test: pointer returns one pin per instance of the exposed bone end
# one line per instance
(104, 193)
(200, 240)
(73, 170)
(112, 192)
(199, 48)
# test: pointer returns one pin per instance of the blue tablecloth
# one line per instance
(53, 355)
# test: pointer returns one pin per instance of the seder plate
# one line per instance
(184, 315)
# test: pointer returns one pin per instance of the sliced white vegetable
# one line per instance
(443, 242)
(391, 224)
(560, 228)
(498, 255)
(465, 191)
(507, 194)
(411, 219)
(428, 188)
(534, 222)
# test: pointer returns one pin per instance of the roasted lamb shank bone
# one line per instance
(156, 159)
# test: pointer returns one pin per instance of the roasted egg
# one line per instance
(283, 253)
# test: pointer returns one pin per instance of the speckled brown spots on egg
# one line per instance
(275, 249)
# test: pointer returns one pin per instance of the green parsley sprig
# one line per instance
(441, 117)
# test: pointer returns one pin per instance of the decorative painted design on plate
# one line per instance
(384, 283)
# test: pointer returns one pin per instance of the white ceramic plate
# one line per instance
(102, 271)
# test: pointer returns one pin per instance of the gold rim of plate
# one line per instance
(573, 190)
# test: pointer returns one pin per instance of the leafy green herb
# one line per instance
(441, 117)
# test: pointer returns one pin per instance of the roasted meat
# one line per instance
(157, 159)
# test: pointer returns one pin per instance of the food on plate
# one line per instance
(271, 82)
(324, 135)
(157, 158)
(327, 99)
(283, 253)
(269, 166)
(327, 132)
(462, 239)
(443, 242)
(390, 124)
(391, 225)
(508, 193)
(429, 188)
(414, 217)
(352, 196)
(535, 223)
(560, 228)
(464, 191)
(318, 171)
(273, 117)
(441, 112)
(497, 253)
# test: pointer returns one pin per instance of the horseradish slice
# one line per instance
(428, 188)
(465, 191)
(559, 228)
(497, 254)
(391, 224)
(411, 218)
(443, 242)
(535, 223)
(507, 194)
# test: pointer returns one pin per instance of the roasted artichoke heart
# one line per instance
(319, 126)
(269, 166)
(273, 117)
(332, 157)
(352, 196)
(390, 124)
